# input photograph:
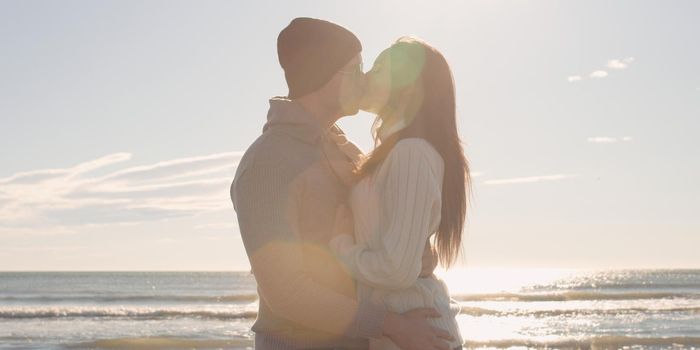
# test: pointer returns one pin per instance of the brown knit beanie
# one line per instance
(311, 51)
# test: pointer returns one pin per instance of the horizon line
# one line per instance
(466, 268)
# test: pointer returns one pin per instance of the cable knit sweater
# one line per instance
(396, 209)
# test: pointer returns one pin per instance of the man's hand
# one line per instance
(411, 330)
(429, 261)
(344, 223)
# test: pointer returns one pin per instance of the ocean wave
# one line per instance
(573, 295)
(140, 313)
(163, 343)
(616, 285)
(242, 298)
(603, 342)
(476, 311)
(121, 312)
(130, 298)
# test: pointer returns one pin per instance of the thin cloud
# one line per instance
(217, 226)
(602, 139)
(599, 74)
(42, 200)
(620, 63)
(82, 168)
(616, 64)
(528, 179)
(176, 168)
(613, 64)
(36, 231)
(51, 249)
(607, 139)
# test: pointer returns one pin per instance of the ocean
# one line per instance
(501, 308)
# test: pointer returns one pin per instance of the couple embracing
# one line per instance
(343, 245)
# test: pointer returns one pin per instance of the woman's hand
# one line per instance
(343, 236)
(429, 261)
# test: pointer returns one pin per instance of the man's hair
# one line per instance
(311, 51)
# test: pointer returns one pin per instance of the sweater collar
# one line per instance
(290, 117)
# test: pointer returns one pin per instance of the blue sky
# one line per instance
(121, 123)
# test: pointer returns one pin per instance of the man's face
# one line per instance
(377, 85)
(350, 86)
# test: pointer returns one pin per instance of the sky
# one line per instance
(121, 124)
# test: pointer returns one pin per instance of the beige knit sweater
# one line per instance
(396, 209)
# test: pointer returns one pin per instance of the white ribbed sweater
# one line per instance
(396, 209)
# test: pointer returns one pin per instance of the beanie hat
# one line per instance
(311, 51)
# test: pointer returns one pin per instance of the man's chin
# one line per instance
(365, 106)
(350, 111)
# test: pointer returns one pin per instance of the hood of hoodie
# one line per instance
(290, 117)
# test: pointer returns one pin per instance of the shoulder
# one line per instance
(278, 149)
(415, 144)
(415, 153)
(275, 157)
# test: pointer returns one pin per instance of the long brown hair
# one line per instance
(423, 93)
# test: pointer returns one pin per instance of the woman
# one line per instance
(411, 188)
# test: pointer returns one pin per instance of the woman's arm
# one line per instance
(411, 201)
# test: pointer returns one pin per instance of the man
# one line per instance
(287, 189)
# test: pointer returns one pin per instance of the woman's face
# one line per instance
(377, 85)
(392, 78)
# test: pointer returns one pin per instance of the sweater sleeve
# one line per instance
(411, 202)
(264, 200)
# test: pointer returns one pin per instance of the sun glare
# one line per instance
(464, 281)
